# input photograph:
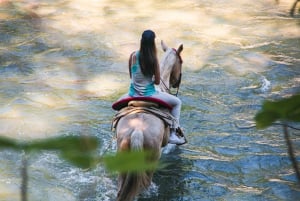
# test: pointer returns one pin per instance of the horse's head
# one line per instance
(171, 66)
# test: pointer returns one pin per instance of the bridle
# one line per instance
(178, 81)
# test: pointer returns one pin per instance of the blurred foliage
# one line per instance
(81, 151)
(293, 9)
(78, 150)
(130, 161)
(287, 109)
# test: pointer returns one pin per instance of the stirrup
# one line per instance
(180, 133)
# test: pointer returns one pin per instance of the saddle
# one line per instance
(148, 105)
(140, 102)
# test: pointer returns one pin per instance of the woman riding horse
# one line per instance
(144, 73)
(140, 127)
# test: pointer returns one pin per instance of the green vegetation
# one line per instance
(130, 161)
(285, 110)
(80, 151)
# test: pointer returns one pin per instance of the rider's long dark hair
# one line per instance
(148, 58)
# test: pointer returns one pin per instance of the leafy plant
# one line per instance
(130, 161)
(284, 110)
(80, 151)
(287, 109)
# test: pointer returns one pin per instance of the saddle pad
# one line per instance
(124, 102)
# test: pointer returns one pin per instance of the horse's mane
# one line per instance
(168, 60)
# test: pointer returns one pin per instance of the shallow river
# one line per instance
(63, 63)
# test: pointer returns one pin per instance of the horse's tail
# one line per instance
(137, 140)
(133, 182)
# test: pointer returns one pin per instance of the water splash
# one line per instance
(265, 85)
(169, 148)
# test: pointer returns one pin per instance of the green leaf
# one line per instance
(65, 143)
(264, 119)
(287, 109)
(9, 143)
(78, 150)
(130, 162)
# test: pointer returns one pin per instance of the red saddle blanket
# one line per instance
(118, 105)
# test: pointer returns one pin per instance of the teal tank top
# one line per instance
(140, 85)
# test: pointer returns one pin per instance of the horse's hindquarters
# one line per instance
(152, 127)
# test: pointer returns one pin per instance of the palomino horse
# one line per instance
(144, 131)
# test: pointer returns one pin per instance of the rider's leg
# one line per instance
(176, 104)
(171, 100)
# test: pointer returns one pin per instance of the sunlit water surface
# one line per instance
(63, 63)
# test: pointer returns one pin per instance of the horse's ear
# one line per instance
(180, 48)
(164, 46)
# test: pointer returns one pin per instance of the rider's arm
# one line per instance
(131, 60)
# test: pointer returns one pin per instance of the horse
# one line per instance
(145, 131)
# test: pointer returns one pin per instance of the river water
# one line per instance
(63, 63)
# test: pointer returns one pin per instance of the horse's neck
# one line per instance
(165, 69)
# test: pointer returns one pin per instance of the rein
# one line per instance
(179, 57)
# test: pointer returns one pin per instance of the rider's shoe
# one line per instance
(177, 137)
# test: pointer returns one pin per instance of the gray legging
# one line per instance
(171, 100)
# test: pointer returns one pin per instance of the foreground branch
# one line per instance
(24, 176)
(293, 9)
(291, 152)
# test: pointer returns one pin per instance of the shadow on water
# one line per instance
(169, 182)
(18, 42)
